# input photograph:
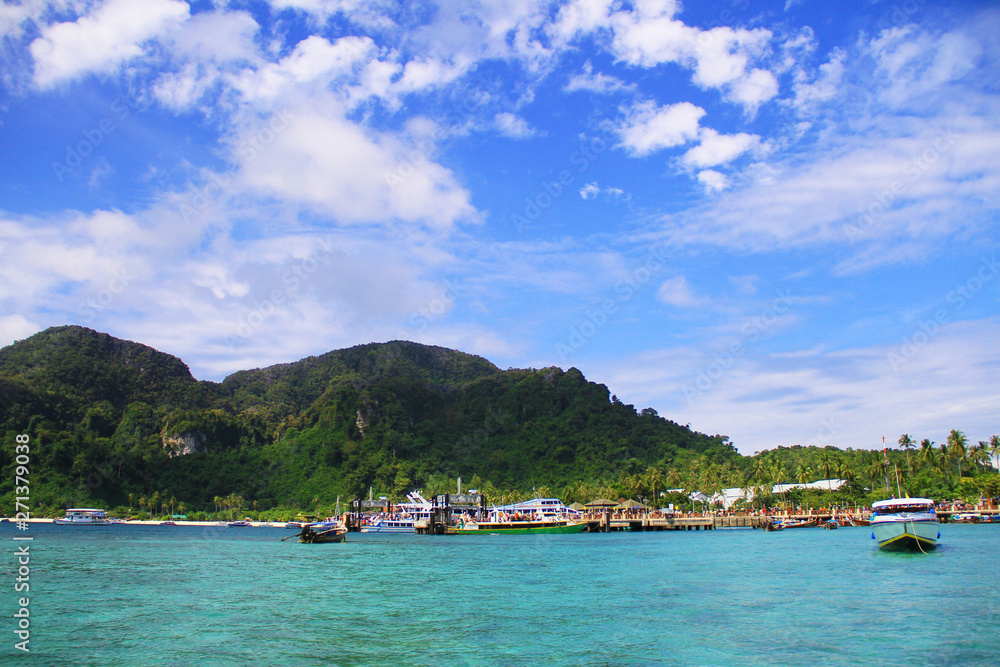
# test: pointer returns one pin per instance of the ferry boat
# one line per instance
(79, 516)
(536, 527)
(537, 516)
(404, 521)
(905, 524)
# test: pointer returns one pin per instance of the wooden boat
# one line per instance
(803, 523)
(832, 524)
(773, 526)
(323, 532)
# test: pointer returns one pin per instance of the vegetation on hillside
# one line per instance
(113, 423)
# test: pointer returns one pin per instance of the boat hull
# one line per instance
(518, 528)
(312, 535)
(906, 535)
(387, 529)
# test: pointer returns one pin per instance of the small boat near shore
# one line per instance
(323, 532)
(240, 524)
(905, 524)
(79, 516)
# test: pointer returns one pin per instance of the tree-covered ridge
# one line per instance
(113, 421)
(88, 367)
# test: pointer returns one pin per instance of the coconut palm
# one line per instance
(846, 472)
(927, 452)
(878, 469)
(906, 443)
(827, 465)
(654, 479)
(958, 448)
(995, 448)
(980, 454)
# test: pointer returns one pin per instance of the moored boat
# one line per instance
(404, 519)
(538, 527)
(905, 524)
(323, 532)
(78, 516)
(245, 523)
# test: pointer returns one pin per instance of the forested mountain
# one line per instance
(111, 421)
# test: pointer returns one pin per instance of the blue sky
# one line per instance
(771, 220)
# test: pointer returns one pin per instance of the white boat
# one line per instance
(404, 519)
(539, 509)
(80, 516)
(905, 524)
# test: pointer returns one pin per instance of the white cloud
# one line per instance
(721, 58)
(16, 327)
(714, 149)
(513, 126)
(354, 175)
(591, 190)
(98, 42)
(595, 82)
(677, 292)
(713, 181)
(844, 398)
(647, 128)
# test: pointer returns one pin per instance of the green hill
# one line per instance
(112, 421)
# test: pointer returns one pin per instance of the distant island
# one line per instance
(120, 425)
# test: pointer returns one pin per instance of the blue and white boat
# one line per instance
(539, 509)
(404, 519)
(81, 516)
(905, 524)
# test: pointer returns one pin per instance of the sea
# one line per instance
(178, 595)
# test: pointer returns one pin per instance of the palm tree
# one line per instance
(957, 447)
(878, 469)
(778, 473)
(826, 464)
(654, 478)
(142, 502)
(154, 501)
(673, 478)
(906, 443)
(995, 448)
(980, 454)
(927, 452)
(846, 472)
(218, 501)
(131, 497)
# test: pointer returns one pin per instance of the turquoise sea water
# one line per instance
(151, 595)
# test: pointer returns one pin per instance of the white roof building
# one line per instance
(729, 496)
